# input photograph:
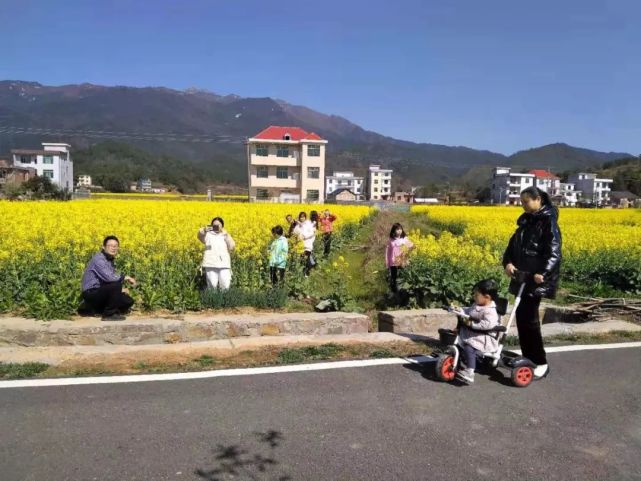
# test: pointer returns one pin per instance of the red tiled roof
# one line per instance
(543, 174)
(275, 132)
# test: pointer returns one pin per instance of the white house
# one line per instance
(507, 186)
(547, 181)
(344, 180)
(53, 161)
(568, 195)
(379, 183)
(84, 181)
(593, 190)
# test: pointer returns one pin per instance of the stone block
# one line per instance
(415, 321)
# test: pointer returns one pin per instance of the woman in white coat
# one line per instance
(217, 259)
(306, 232)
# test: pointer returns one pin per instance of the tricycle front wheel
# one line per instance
(445, 368)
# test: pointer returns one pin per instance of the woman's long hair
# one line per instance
(392, 232)
(534, 193)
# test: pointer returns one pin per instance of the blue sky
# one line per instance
(495, 74)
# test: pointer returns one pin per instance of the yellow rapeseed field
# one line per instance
(150, 229)
(584, 230)
(44, 247)
(599, 246)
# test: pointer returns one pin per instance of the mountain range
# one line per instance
(207, 130)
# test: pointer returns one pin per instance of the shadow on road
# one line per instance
(428, 371)
(251, 463)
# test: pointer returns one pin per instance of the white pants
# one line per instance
(218, 278)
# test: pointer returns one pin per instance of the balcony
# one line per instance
(271, 182)
(292, 161)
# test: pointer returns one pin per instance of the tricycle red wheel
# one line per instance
(522, 376)
(445, 369)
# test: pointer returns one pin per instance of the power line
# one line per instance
(130, 135)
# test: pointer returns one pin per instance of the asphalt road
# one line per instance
(373, 423)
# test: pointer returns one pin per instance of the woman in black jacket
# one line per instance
(535, 247)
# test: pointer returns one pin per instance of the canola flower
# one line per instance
(44, 247)
(147, 229)
(584, 230)
(596, 243)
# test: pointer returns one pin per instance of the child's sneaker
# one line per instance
(465, 375)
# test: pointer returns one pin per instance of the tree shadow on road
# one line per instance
(254, 463)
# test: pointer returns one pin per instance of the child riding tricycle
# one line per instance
(480, 336)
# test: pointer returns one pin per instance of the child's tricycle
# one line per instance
(521, 369)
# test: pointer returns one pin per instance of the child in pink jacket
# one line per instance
(398, 247)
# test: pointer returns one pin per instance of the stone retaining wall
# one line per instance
(428, 321)
(87, 332)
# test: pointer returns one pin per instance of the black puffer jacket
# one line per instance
(536, 247)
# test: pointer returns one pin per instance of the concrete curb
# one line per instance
(188, 328)
(57, 355)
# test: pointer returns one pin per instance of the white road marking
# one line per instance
(75, 381)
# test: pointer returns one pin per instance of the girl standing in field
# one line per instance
(278, 251)
(535, 247)
(396, 253)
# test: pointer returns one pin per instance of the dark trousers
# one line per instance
(327, 243)
(393, 278)
(469, 356)
(277, 275)
(308, 259)
(108, 299)
(529, 327)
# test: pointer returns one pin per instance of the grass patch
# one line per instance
(239, 297)
(381, 354)
(294, 355)
(567, 339)
(21, 371)
(205, 360)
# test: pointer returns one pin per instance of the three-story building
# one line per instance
(53, 161)
(286, 164)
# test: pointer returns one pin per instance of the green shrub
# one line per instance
(239, 297)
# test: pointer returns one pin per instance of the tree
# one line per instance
(484, 195)
(13, 190)
(42, 188)
(114, 182)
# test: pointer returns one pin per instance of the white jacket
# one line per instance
(217, 248)
(307, 233)
(483, 318)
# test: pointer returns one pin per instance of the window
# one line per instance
(313, 150)
(262, 194)
(282, 151)
(47, 159)
(314, 173)
(376, 181)
(386, 182)
(282, 173)
(375, 189)
(262, 171)
(262, 150)
(312, 195)
(48, 173)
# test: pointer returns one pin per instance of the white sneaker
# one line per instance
(541, 371)
(465, 375)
